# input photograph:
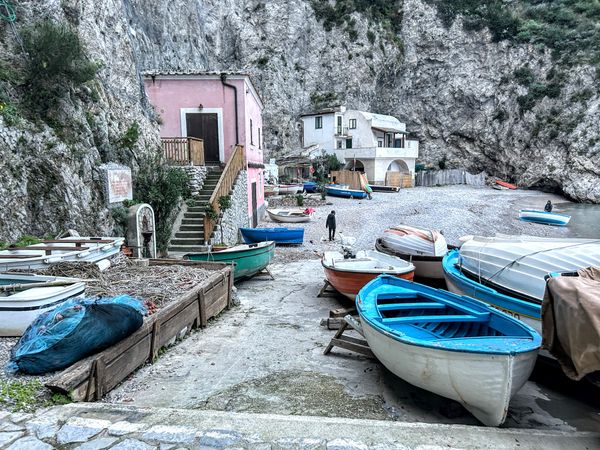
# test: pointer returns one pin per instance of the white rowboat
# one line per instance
(21, 300)
(42, 255)
(453, 346)
(289, 215)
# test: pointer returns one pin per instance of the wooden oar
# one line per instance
(24, 286)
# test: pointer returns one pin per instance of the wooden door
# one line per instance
(254, 207)
(205, 126)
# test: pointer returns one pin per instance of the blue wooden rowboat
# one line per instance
(279, 235)
(310, 186)
(451, 345)
(462, 283)
(544, 217)
(340, 190)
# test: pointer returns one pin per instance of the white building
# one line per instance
(373, 143)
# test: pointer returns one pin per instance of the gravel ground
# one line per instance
(456, 210)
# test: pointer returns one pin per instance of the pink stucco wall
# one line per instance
(170, 95)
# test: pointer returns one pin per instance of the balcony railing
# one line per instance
(341, 131)
(235, 164)
(183, 151)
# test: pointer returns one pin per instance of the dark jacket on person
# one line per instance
(548, 207)
(330, 221)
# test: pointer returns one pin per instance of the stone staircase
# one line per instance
(190, 235)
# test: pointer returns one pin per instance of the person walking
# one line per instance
(548, 207)
(330, 223)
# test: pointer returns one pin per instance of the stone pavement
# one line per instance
(101, 426)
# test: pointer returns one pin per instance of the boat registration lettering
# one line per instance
(507, 311)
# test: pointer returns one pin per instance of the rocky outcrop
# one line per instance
(456, 90)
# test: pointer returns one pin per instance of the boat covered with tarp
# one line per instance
(571, 321)
(454, 346)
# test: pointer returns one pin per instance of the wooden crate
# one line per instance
(398, 179)
(91, 378)
(348, 177)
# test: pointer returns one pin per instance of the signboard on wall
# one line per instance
(120, 185)
(117, 182)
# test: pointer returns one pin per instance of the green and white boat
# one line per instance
(249, 259)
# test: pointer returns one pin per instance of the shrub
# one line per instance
(524, 76)
(225, 202)
(9, 112)
(57, 62)
(131, 136)
(211, 213)
(299, 200)
(162, 187)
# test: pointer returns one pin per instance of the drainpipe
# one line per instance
(235, 96)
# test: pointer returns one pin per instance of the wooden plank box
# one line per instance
(91, 378)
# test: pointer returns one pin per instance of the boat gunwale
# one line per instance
(451, 270)
(400, 271)
(263, 249)
(539, 211)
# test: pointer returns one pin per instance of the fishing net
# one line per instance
(77, 328)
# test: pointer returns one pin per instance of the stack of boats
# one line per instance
(509, 271)
(23, 297)
(487, 322)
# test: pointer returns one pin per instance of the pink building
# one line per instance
(223, 109)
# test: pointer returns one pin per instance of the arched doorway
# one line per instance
(398, 166)
(356, 165)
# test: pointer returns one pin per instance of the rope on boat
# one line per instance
(531, 254)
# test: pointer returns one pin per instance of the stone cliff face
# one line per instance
(455, 89)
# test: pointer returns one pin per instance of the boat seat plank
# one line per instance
(18, 256)
(430, 319)
(399, 306)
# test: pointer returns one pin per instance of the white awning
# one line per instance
(385, 123)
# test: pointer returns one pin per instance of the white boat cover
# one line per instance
(415, 241)
(520, 263)
(571, 322)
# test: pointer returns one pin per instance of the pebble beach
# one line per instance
(455, 210)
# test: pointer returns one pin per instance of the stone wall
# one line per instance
(237, 215)
(197, 176)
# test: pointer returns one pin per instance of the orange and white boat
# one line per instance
(506, 184)
(349, 275)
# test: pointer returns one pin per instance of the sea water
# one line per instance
(585, 219)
